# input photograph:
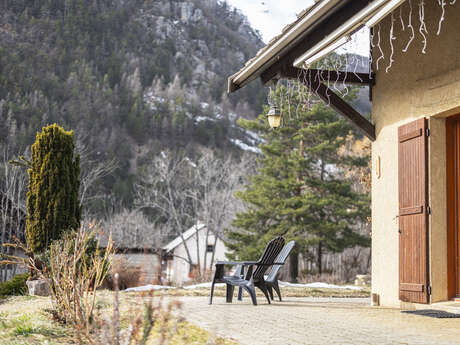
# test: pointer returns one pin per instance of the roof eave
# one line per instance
(299, 28)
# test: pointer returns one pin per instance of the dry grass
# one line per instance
(285, 291)
(24, 320)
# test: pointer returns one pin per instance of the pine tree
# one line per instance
(52, 198)
(301, 190)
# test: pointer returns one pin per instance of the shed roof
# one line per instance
(178, 240)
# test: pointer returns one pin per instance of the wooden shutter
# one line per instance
(413, 215)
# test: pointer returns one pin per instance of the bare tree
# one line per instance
(91, 171)
(132, 229)
(164, 187)
(215, 182)
(186, 193)
(12, 208)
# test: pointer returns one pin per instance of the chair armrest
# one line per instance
(245, 263)
(269, 264)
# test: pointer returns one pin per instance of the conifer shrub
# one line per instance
(16, 286)
(52, 198)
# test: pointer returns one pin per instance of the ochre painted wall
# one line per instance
(417, 85)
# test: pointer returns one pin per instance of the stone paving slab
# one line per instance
(317, 321)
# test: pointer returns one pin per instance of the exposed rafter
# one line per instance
(290, 72)
(336, 102)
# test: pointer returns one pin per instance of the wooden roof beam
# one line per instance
(290, 72)
(342, 107)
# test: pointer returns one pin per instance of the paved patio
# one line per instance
(317, 321)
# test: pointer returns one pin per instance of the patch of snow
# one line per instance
(244, 146)
(204, 118)
(163, 154)
(151, 100)
(149, 287)
(232, 116)
(317, 285)
(202, 285)
(320, 285)
(255, 136)
(190, 162)
(204, 105)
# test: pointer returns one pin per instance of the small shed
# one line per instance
(205, 249)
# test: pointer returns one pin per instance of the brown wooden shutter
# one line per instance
(413, 216)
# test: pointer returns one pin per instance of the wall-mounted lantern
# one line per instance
(274, 117)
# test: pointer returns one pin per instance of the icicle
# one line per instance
(380, 48)
(327, 89)
(392, 38)
(345, 77)
(403, 27)
(442, 3)
(318, 77)
(354, 71)
(411, 27)
(337, 68)
(422, 27)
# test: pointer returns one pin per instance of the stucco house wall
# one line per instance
(417, 85)
(178, 269)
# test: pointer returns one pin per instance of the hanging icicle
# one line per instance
(337, 68)
(380, 48)
(392, 38)
(410, 26)
(403, 27)
(345, 87)
(354, 71)
(371, 33)
(441, 3)
(422, 29)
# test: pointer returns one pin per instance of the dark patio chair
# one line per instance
(272, 279)
(252, 277)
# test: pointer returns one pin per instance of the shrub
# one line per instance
(14, 287)
(76, 270)
(52, 199)
(128, 275)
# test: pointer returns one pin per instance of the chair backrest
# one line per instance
(269, 255)
(282, 256)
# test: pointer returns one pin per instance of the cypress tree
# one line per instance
(301, 190)
(52, 197)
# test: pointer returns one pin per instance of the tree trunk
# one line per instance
(320, 258)
(198, 261)
(294, 266)
(213, 252)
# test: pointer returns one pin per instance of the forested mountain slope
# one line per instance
(130, 77)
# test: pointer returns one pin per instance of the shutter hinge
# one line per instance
(429, 290)
(428, 210)
(427, 132)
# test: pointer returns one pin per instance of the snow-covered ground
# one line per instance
(319, 285)
(149, 287)
(316, 285)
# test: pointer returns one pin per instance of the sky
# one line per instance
(271, 16)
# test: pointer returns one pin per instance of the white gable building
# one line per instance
(200, 243)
